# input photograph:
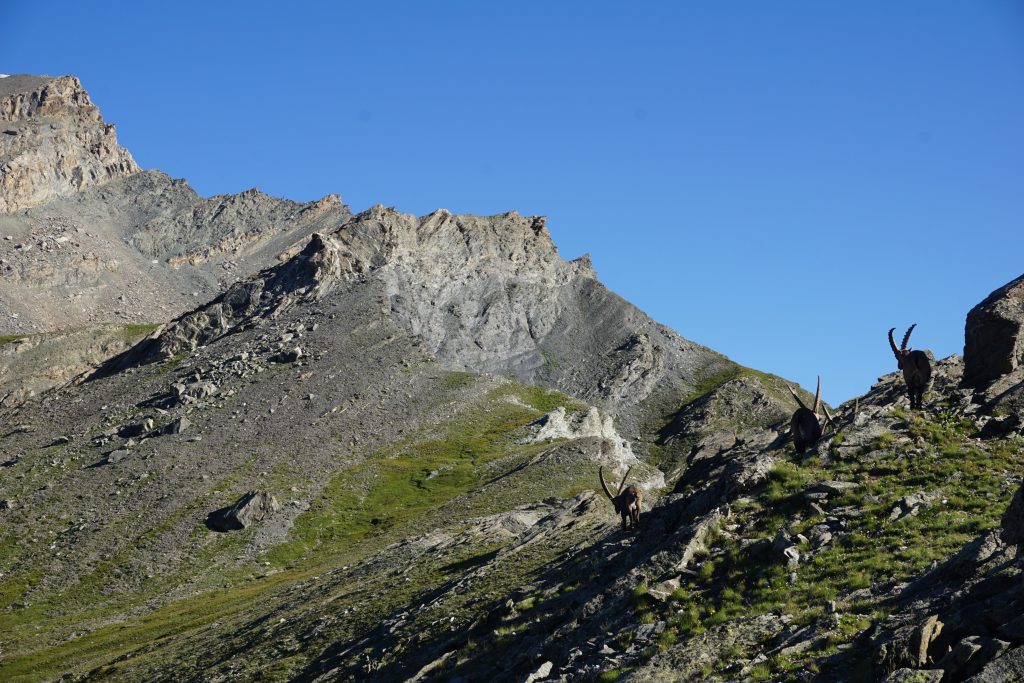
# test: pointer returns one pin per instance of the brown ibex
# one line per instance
(917, 369)
(804, 425)
(627, 501)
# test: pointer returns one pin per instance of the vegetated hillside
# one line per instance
(313, 382)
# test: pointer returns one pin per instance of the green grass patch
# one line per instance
(138, 329)
(8, 338)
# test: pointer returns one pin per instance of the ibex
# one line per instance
(627, 501)
(917, 369)
(804, 425)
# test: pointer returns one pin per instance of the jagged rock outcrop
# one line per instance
(610, 449)
(53, 142)
(309, 275)
(142, 249)
(226, 226)
(993, 339)
(487, 294)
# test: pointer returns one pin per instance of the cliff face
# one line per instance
(54, 142)
(484, 294)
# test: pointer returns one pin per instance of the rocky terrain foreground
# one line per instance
(368, 450)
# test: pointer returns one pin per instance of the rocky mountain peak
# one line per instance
(54, 142)
(24, 97)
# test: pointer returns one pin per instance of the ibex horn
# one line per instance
(623, 483)
(906, 337)
(892, 343)
(817, 396)
(828, 415)
(600, 473)
(801, 403)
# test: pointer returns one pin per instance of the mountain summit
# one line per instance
(54, 142)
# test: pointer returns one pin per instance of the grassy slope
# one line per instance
(402, 490)
(975, 480)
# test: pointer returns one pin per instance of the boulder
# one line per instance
(137, 429)
(117, 455)
(993, 343)
(193, 391)
(664, 589)
(786, 551)
(1013, 519)
(970, 655)
(289, 356)
(541, 673)
(1009, 667)
(1000, 427)
(178, 426)
(910, 505)
(253, 507)
(922, 640)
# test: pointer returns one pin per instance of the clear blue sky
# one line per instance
(782, 181)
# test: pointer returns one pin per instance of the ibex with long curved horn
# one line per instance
(627, 501)
(917, 369)
(804, 425)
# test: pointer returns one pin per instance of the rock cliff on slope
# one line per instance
(33, 364)
(487, 294)
(54, 142)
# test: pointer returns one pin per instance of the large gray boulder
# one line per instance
(993, 343)
(253, 507)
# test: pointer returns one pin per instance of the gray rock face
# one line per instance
(993, 343)
(253, 507)
(151, 240)
(54, 142)
(488, 294)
